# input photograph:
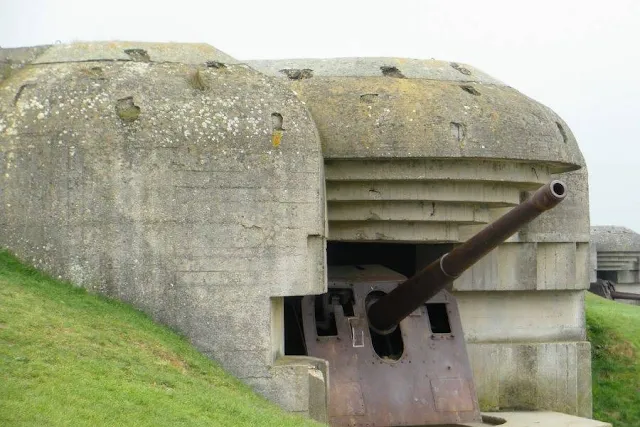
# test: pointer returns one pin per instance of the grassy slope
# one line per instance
(70, 358)
(614, 332)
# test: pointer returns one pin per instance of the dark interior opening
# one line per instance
(404, 258)
(438, 318)
(325, 317)
(609, 275)
(294, 344)
(388, 346)
(399, 257)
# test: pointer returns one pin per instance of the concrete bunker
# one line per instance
(615, 263)
(416, 161)
(220, 191)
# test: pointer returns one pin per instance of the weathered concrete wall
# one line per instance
(551, 375)
(529, 316)
(174, 178)
(430, 152)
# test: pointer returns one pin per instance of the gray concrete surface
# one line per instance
(539, 419)
(548, 375)
(434, 110)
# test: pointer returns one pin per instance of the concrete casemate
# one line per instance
(615, 256)
(428, 152)
(207, 191)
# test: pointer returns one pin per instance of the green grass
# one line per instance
(68, 358)
(614, 332)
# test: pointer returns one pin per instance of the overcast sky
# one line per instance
(581, 58)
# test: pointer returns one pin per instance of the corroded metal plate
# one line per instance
(430, 383)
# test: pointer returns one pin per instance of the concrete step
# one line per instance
(535, 419)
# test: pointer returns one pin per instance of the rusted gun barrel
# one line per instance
(386, 312)
(625, 295)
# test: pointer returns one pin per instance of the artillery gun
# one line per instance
(395, 346)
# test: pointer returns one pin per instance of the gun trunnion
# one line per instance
(395, 346)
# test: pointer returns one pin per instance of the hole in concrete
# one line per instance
(457, 131)
(562, 132)
(127, 110)
(391, 71)
(387, 346)
(276, 121)
(215, 64)
(470, 89)
(138, 55)
(197, 81)
(438, 318)
(297, 74)
(460, 68)
(93, 73)
(374, 194)
(276, 124)
(368, 98)
(492, 420)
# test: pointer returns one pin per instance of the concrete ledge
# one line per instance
(297, 384)
(536, 419)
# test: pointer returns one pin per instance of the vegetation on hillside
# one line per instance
(68, 358)
(614, 332)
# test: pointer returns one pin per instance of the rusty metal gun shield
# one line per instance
(417, 375)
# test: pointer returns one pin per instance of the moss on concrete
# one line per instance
(531, 394)
(5, 70)
(197, 81)
(127, 110)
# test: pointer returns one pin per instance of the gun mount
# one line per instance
(395, 346)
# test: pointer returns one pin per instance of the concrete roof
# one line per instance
(374, 108)
(409, 108)
(611, 238)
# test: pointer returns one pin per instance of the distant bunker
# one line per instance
(213, 194)
(615, 257)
